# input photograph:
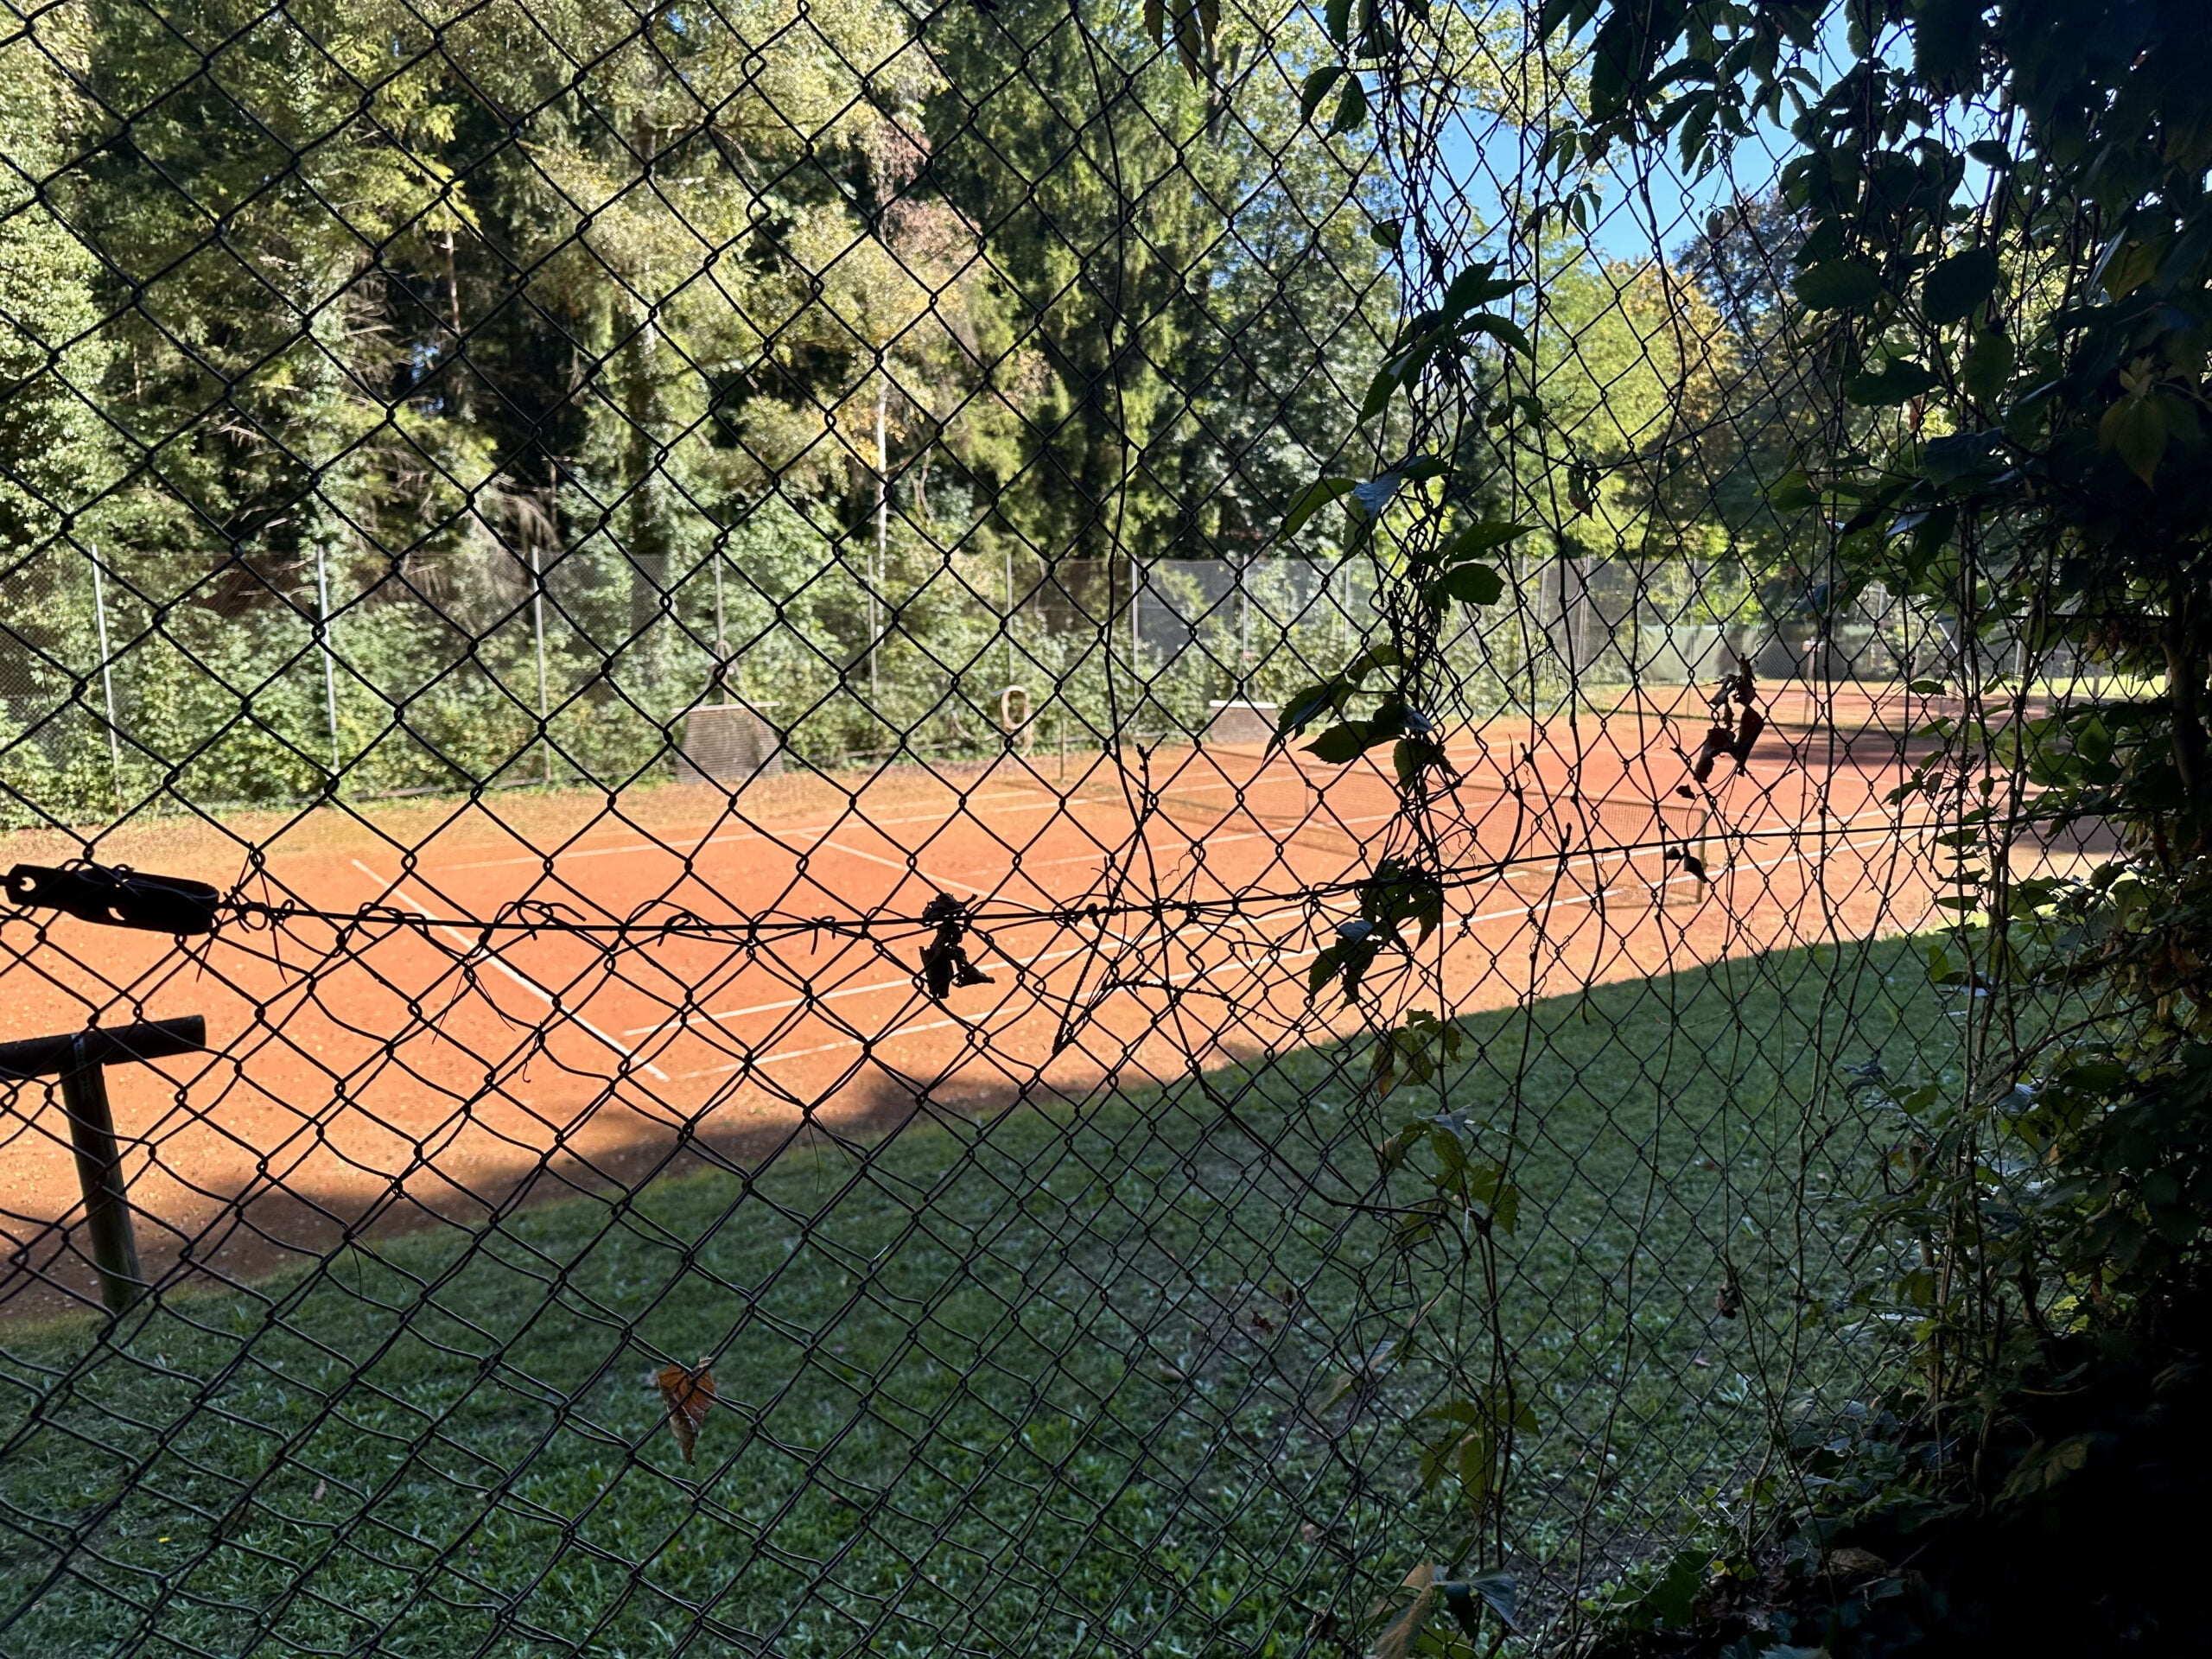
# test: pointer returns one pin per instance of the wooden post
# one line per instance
(78, 1059)
(99, 1172)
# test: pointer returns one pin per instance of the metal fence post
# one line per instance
(108, 681)
(329, 656)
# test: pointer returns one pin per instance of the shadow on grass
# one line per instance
(1038, 1381)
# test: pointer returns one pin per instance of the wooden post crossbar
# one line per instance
(79, 1059)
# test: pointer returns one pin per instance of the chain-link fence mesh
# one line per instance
(706, 584)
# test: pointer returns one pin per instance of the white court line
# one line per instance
(1268, 773)
(815, 831)
(971, 811)
(393, 888)
(822, 1048)
(705, 1018)
(914, 870)
(939, 1025)
(810, 831)
(1164, 846)
(1466, 924)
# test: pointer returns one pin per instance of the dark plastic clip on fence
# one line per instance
(116, 898)
(81, 1058)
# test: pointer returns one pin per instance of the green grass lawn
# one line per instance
(1035, 1383)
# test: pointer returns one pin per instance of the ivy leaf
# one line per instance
(1304, 708)
(1310, 500)
(1348, 961)
(1395, 1641)
(2135, 427)
(1480, 538)
(1471, 585)
(1957, 287)
(1497, 1587)
(1192, 36)
(1351, 108)
(1378, 392)
(1946, 39)
(2127, 265)
(1317, 85)
(1389, 234)
(1412, 1053)
(1413, 755)
(1327, 966)
(1459, 1602)
(1898, 381)
(1553, 13)
(1475, 286)
(1839, 285)
(1961, 456)
(1618, 58)
(1504, 330)
(1345, 742)
(1793, 492)
(1987, 366)
(1385, 655)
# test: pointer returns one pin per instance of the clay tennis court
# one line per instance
(390, 1059)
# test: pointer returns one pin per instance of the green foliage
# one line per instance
(2007, 230)
(616, 304)
(1996, 309)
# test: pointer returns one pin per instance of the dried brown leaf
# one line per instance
(1748, 734)
(1718, 740)
(689, 1393)
(1396, 1638)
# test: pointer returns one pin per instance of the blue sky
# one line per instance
(1624, 229)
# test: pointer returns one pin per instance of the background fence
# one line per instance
(608, 1215)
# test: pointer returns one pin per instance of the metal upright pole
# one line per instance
(721, 639)
(1244, 627)
(107, 681)
(537, 626)
(1136, 657)
(329, 661)
(882, 531)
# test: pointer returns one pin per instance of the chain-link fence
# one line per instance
(705, 587)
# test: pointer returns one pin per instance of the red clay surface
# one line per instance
(372, 1072)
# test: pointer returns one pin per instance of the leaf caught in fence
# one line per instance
(688, 1392)
(1747, 733)
(1396, 1639)
(1728, 1300)
(1718, 740)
